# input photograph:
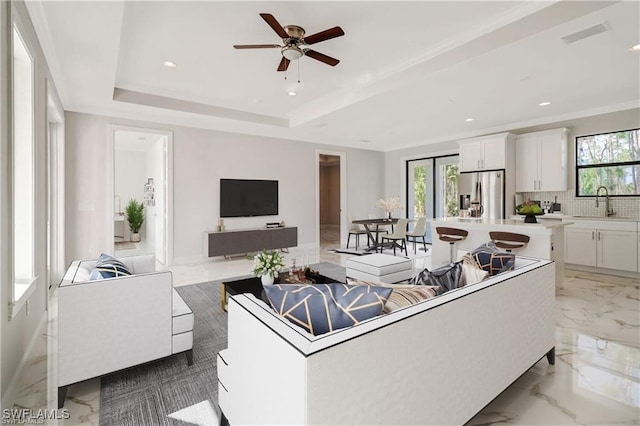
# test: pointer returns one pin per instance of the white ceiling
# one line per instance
(410, 72)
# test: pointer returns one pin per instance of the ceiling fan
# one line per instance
(295, 42)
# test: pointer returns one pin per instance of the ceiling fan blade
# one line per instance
(284, 64)
(254, 46)
(324, 35)
(273, 23)
(321, 57)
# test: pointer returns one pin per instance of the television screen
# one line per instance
(245, 197)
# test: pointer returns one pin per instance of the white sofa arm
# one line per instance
(112, 324)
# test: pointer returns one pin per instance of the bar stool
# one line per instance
(509, 240)
(451, 236)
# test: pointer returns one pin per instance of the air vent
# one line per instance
(587, 32)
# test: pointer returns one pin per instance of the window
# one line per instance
(611, 160)
(22, 168)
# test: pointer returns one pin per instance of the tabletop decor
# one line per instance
(389, 205)
(529, 210)
(266, 265)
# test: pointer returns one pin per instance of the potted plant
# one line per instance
(266, 265)
(135, 217)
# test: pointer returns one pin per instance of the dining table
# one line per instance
(371, 226)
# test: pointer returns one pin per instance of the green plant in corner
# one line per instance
(135, 215)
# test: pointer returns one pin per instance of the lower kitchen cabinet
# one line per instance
(606, 244)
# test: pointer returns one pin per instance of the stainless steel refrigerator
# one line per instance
(484, 187)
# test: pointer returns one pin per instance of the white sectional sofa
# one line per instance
(112, 324)
(436, 362)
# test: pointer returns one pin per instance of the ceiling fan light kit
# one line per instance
(294, 40)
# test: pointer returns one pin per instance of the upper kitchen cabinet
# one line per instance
(541, 161)
(485, 152)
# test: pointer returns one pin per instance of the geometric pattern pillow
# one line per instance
(108, 267)
(403, 295)
(471, 272)
(489, 258)
(322, 308)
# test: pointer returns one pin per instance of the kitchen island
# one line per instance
(546, 238)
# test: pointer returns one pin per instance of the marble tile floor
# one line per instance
(595, 381)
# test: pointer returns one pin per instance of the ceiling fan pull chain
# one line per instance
(298, 71)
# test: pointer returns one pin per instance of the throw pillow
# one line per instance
(492, 260)
(402, 295)
(446, 277)
(108, 267)
(471, 272)
(322, 308)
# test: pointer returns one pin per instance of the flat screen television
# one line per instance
(247, 197)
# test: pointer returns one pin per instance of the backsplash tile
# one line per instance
(571, 205)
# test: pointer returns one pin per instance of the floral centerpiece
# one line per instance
(389, 205)
(266, 265)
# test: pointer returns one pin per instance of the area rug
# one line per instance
(168, 391)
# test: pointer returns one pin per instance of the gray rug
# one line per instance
(168, 391)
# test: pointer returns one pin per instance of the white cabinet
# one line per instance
(541, 161)
(580, 246)
(484, 153)
(605, 244)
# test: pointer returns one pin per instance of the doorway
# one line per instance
(331, 178)
(141, 172)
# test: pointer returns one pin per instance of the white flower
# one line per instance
(267, 262)
(389, 205)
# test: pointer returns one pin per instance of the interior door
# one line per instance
(160, 203)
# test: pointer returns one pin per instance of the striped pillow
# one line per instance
(403, 295)
(108, 267)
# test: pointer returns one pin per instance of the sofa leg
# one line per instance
(189, 355)
(62, 395)
(223, 420)
(551, 356)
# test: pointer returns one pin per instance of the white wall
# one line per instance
(201, 157)
(17, 334)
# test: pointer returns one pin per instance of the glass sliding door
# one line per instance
(446, 186)
(432, 189)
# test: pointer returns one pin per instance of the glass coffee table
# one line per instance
(253, 285)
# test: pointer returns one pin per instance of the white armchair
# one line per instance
(116, 323)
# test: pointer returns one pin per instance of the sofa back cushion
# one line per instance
(402, 295)
(322, 308)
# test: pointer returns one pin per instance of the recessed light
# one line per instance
(635, 48)
(169, 64)
(544, 103)
(468, 120)
(292, 93)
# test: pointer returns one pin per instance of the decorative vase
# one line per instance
(266, 279)
(135, 237)
(389, 215)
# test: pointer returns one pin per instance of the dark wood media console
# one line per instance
(227, 243)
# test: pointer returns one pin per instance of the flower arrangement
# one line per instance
(389, 205)
(267, 263)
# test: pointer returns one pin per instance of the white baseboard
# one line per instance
(10, 395)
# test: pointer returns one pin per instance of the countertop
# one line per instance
(557, 216)
(483, 222)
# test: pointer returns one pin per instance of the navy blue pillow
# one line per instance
(492, 260)
(108, 267)
(321, 308)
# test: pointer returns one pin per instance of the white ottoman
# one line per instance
(380, 267)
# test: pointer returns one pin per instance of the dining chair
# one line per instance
(355, 229)
(418, 232)
(400, 234)
(380, 229)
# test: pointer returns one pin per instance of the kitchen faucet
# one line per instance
(606, 201)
